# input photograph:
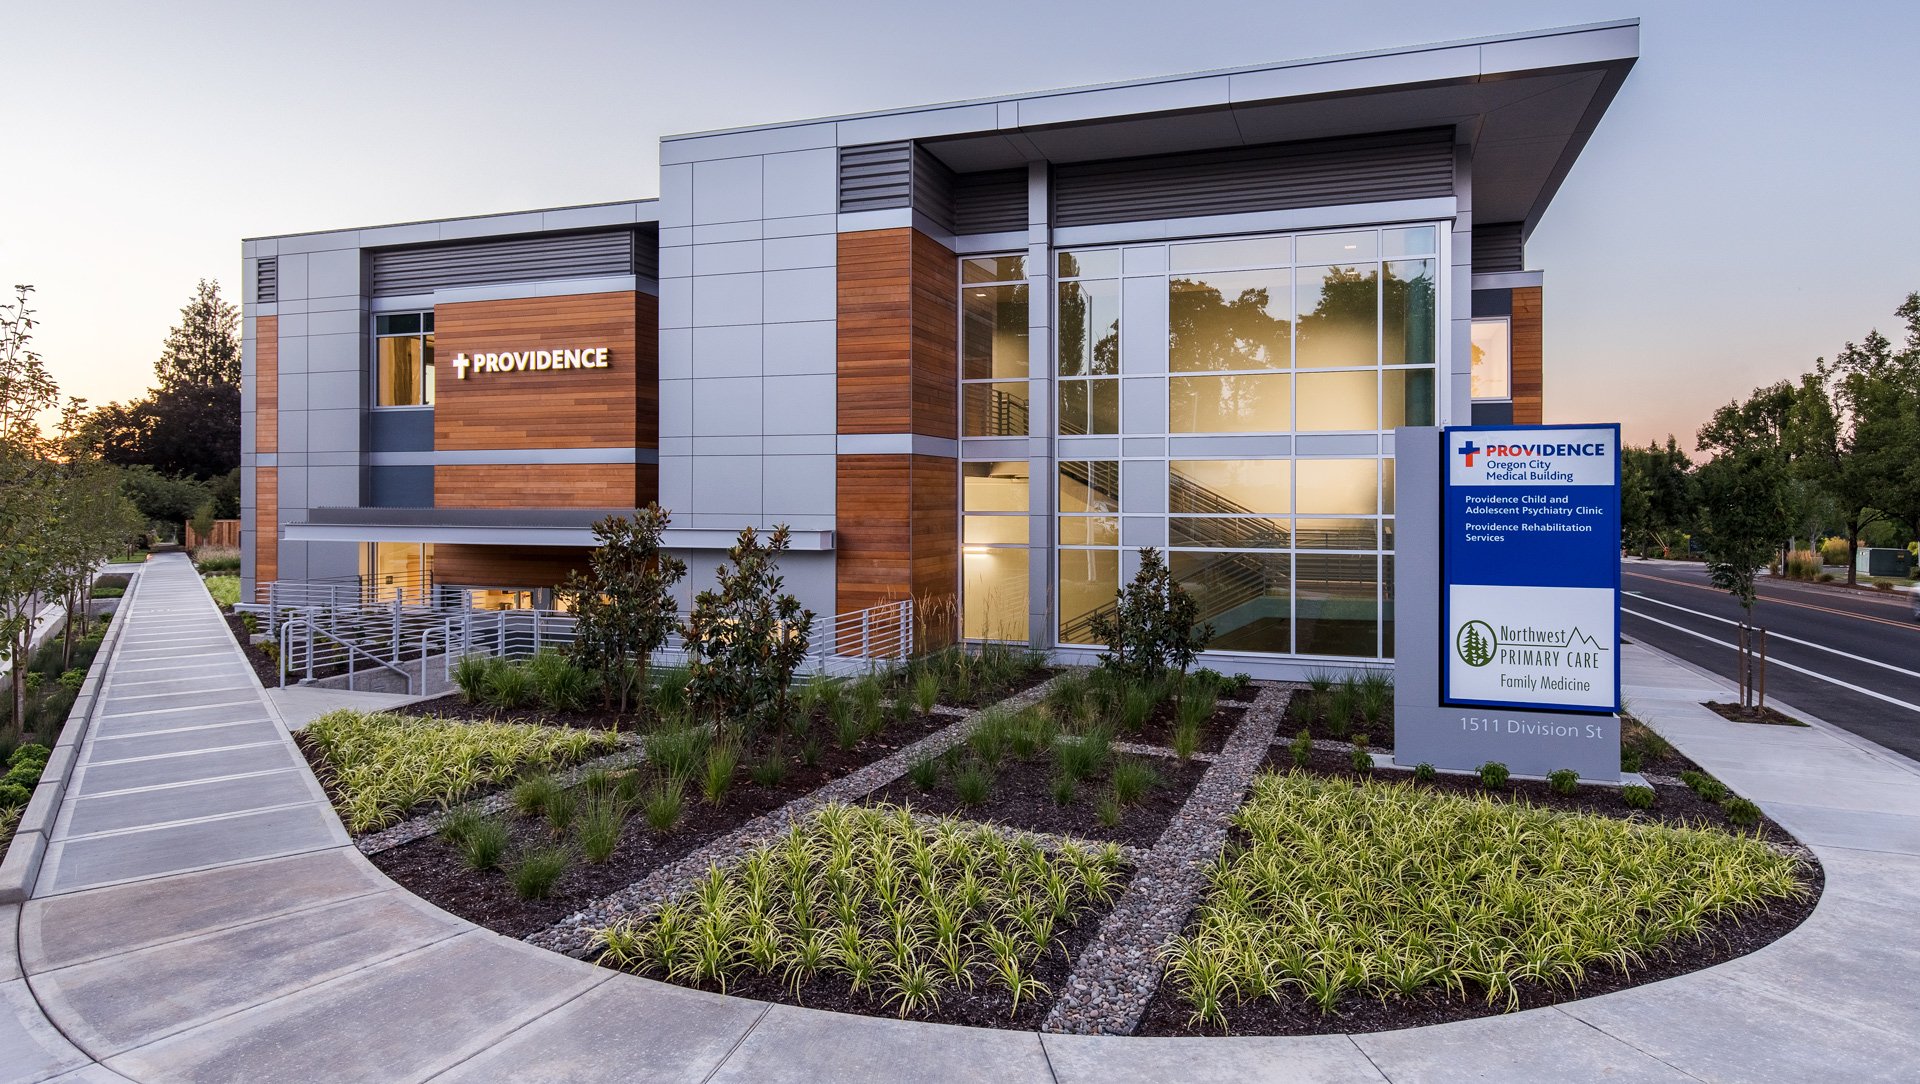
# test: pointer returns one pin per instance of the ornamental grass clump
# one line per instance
(887, 905)
(382, 765)
(1356, 888)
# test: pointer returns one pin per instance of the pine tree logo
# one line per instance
(1476, 643)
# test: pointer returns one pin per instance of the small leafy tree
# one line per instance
(27, 475)
(746, 637)
(1154, 627)
(624, 605)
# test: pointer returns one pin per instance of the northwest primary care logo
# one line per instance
(1478, 644)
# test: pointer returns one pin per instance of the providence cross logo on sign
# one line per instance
(1530, 559)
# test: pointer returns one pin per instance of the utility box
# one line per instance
(1881, 562)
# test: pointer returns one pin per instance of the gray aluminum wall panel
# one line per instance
(1372, 169)
(400, 487)
(400, 430)
(522, 259)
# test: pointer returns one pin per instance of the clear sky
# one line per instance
(1747, 204)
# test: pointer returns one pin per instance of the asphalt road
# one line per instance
(1851, 658)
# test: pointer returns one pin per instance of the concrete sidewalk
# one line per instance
(201, 917)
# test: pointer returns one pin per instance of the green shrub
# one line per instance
(770, 770)
(1704, 785)
(470, 675)
(13, 795)
(1301, 748)
(560, 807)
(678, 751)
(224, 589)
(1137, 702)
(1360, 760)
(662, 804)
(535, 874)
(1630, 759)
(723, 759)
(1084, 756)
(509, 685)
(1637, 797)
(925, 772)
(1132, 778)
(1034, 733)
(530, 795)
(73, 679)
(1108, 812)
(118, 592)
(972, 784)
(599, 827)
(746, 637)
(926, 692)
(1493, 775)
(1186, 739)
(1154, 626)
(484, 844)
(1063, 789)
(1563, 781)
(558, 683)
(31, 752)
(1741, 811)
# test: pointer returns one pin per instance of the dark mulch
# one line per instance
(1656, 754)
(1728, 939)
(433, 870)
(1022, 797)
(1214, 733)
(263, 665)
(1766, 716)
(1673, 804)
(989, 694)
(985, 1005)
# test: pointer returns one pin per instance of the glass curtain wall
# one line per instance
(994, 310)
(1302, 338)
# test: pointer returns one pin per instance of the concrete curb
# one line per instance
(21, 868)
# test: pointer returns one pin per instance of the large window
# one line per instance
(402, 570)
(994, 510)
(403, 359)
(993, 346)
(1312, 339)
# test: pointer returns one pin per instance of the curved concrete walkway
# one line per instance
(201, 917)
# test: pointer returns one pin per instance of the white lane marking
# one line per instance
(1781, 662)
(1780, 636)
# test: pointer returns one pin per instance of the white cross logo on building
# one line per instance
(460, 364)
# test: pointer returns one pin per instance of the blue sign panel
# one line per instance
(1530, 567)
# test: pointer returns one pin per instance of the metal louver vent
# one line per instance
(1497, 247)
(483, 263)
(266, 280)
(1372, 169)
(993, 202)
(877, 177)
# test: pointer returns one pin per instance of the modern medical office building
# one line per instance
(984, 349)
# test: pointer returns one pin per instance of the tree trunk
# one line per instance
(1853, 555)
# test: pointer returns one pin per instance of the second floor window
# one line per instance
(403, 359)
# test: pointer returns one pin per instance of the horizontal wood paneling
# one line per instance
(545, 485)
(875, 331)
(266, 384)
(936, 348)
(575, 408)
(502, 566)
(873, 533)
(936, 540)
(266, 524)
(1529, 358)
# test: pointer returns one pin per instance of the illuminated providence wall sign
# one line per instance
(530, 361)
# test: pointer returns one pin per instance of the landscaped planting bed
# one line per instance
(1027, 770)
(688, 791)
(378, 767)
(1359, 905)
(877, 910)
(1339, 708)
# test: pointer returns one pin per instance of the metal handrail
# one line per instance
(345, 651)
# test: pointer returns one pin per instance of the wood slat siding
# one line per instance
(1529, 357)
(582, 408)
(544, 485)
(875, 336)
(266, 524)
(897, 521)
(266, 384)
(498, 566)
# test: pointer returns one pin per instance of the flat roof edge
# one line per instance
(1168, 80)
(466, 218)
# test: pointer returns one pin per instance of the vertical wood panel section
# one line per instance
(266, 384)
(1529, 359)
(266, 524)
(936, 348)
(874, 309)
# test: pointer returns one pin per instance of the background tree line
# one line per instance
(1835, 452)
